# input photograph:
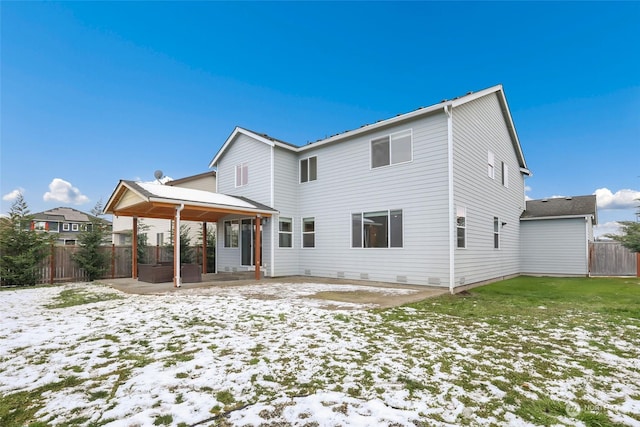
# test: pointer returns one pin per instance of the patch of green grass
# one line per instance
(225, 397)
(74, 297)
(163, 420)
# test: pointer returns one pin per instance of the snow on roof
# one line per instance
(192, 195)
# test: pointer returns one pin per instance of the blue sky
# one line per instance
(100, 91)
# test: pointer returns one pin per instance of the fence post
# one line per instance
(52, 265)
(157, 253)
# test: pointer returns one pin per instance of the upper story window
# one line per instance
(46, 226)
(242, 174)
(309, 169)
(392, 149)
(75, 227)
(285, 233)
(377, 229)
(461, 227)
(491, 172)
(231, 231)
(505, 174)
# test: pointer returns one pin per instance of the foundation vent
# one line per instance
(434, 280)
(307, 272)
(340, 274)
(401, 279)
(226, 268)
(234, 269)
(462, 280)
(364, 276)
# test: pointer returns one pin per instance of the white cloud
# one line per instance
(621, 199)
(611, 227)
(62, 191)
(11, 196)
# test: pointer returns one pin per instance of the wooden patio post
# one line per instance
(134, 249)
(257, 247)
(204, 248)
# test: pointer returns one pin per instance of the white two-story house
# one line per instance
(431, 197)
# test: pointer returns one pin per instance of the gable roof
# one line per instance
(65, 214)
(191, 178)
(148, 200)
(422, 111)
(562, 207)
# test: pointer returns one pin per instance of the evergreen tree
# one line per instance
(630, 237)
(21, 248)
(91, 255)
(143, 242)
(186, 251)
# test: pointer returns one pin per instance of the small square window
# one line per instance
(65, 226)
(75, 227)
(392, 149)
(309, 169)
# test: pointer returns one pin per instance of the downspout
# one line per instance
(448, 109)
(176, 237)
(272, 255)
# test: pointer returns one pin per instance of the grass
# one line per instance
(505, 345)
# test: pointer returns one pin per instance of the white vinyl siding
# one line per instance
(554, 247)
(479, 127)
(392, 149)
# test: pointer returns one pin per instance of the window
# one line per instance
(74, 227)
(231, 230)
(505, 174)
(392, 149)
(285, 233)
(496, 232)
(242, 174)
(308, 232)
(461, 226)
(309, 169)
(490, 166)
(159, 239)
(383, 229)
(65, 226)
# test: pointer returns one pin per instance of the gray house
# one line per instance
(432, 197)
(555, 236)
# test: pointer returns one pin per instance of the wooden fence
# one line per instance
(59, 266)
(613, 259)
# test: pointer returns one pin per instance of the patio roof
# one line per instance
(148, 200)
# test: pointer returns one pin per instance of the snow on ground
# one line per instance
(267, 354)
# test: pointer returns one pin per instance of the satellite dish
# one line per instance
(158, 174)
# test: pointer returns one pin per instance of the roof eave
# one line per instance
(211, 205)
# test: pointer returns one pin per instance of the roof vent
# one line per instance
(568, 198)
(544, 200)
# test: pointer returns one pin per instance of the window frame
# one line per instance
(308, 161)
(66, 226)
(290, 233)
(505, 175)
(395, 136)
(491, 165)
(75, 226)
(303, 221)
(360, 216)
(159, 239)
(242, 174)
(496, 233)
(463, 227)
(228, 239)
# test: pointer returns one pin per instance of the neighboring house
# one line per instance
(555, 235)
(431, 197)
(159, 231)
(64, 223)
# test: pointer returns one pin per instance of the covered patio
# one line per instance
(148, 200)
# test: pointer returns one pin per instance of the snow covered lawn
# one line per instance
(266, 354)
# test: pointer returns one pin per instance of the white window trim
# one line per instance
(388, 228)
(491, 165)
(464, 208)
(300, 181)
(287, 232)
(498, 233)
(224, 234)
(242, 167)
(75, 227)
(390, 136)
(505, 175)
(302, 232)
(66, 226)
